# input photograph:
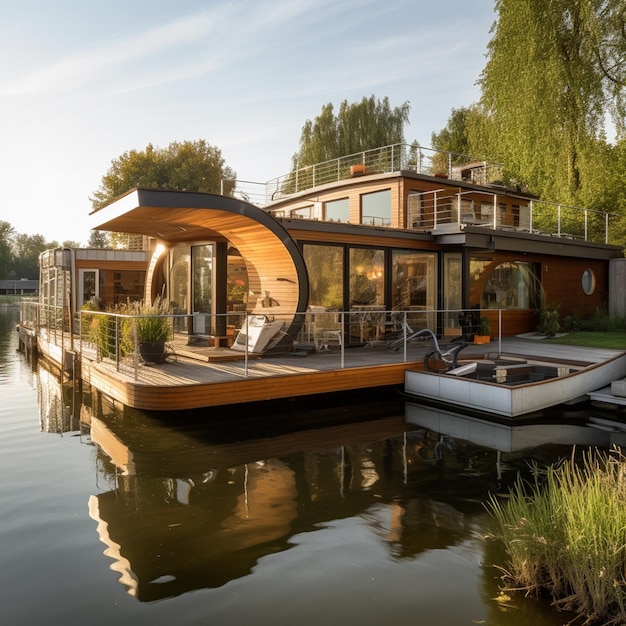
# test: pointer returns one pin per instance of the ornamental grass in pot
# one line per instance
(154, 327)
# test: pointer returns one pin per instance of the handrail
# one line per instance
(113, 336)
(543, 217)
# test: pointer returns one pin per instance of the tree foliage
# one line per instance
(7, 232)
(550, 78)
(454, 137)
(357, 127)
(182, 166)
(19, 253)
(98, 239)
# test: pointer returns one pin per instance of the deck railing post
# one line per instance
(404, 333)
(245, 352)
(136, 350)
(343, 341)
(117, 343)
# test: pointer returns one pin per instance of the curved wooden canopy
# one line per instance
(274, 262)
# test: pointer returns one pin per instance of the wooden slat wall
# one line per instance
(561, 279)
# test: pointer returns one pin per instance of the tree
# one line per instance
(7, 233)
(26, 250)
(70, 243)
(357, 127)
(184, 166)
(454, 137)
(546, 88)
(98, 239)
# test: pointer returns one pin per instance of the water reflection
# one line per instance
(190, 502)
(188, 507)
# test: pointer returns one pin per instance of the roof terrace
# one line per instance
(442, 206)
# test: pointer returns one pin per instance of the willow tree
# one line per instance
(548, 83)
(357, 127)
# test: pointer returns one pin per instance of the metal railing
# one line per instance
(438, 206)
(114, 337)
(383, 160)
(429, 210)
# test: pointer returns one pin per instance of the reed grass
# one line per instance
(565, 534)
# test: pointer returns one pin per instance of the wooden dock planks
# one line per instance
(188, 385)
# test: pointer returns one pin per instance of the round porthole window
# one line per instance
(589, 282)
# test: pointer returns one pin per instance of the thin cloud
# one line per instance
(85, 64)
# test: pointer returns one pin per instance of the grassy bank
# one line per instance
(565, 535)
(615, 340)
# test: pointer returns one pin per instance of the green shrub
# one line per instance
(549, 323)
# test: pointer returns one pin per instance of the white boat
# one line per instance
(514, 385)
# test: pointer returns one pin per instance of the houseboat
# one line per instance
(342, 254)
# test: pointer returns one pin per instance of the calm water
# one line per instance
(110, 516)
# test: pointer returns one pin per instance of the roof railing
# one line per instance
(538, 217)
(387, 159)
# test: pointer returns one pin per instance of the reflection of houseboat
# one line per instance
(340, 258)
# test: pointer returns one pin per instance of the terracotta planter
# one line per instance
(357, 170)
(482, 339)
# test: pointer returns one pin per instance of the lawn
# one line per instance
(593, 339)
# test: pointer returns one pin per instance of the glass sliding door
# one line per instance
(326, 294)
(178, 287)
(366, 281)
(202, 281)
(413, 287)
(325, 267)
(452, 292)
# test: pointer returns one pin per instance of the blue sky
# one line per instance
(83, 82)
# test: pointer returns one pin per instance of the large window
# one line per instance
(367, 277)
(202, 272)
(338, 210)
(413, 286)
(452, 288)
(504, 285)
(376, 208)
(325, 268)
(178, 287)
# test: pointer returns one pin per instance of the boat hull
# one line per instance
(512, 400)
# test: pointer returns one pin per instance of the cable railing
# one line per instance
(387, 336)
(383, 160)
(429, 210)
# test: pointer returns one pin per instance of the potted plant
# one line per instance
(154, 328)
(484, 330)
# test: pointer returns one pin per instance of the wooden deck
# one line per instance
(195, 377)
(204, 377)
